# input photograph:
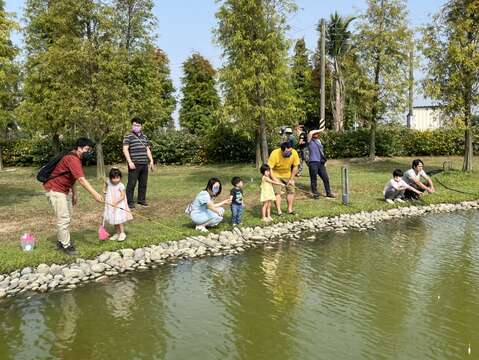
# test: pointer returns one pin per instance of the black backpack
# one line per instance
(45, 173)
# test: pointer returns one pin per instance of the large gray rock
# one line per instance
(69, 274)
(98, 268)
(43, 269)
(127, 253)
(56, 269)
(26, 271)
(13, 284)
(139, 255)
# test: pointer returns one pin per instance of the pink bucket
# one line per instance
(102, 233)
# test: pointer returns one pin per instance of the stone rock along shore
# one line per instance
(45, 277)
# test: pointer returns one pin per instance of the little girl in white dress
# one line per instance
(117, 211)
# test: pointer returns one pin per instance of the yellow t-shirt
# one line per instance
(281, 166)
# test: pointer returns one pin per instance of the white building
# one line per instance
(426, 118)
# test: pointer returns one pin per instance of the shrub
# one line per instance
(223, 145)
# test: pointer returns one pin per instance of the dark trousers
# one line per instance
(140, 175)
(317, 168)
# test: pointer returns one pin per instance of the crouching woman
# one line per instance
(204, 212)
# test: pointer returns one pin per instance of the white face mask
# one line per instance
(215, 189)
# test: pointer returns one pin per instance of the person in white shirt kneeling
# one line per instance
(396, 187)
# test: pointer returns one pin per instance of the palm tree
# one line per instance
(338, 46)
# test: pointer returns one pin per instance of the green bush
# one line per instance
(222, 145)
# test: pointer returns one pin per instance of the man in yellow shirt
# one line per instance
(284, 164)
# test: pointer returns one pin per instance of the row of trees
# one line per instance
(90, 65)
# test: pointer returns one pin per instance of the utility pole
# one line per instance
(323, 75)
(410, 115)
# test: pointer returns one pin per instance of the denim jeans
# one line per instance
(237, 213)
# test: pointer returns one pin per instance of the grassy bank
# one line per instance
(24, 208)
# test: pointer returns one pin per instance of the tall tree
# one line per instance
(338, 46)
(9, 76)
(42, 107)
(383, 42)
(451, 46)
(151, 91)
(255, 79)
(200, 101)
(302, 71)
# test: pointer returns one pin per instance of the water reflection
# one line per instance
(405, 291)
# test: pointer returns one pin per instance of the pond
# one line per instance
(408, 290)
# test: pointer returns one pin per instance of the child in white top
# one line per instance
(394, 189)
(117, 211)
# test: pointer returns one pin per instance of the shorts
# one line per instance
(278, 188)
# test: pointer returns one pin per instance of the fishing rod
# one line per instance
(440, 171)
(155, 222)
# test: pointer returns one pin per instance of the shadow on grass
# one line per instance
(11, 194)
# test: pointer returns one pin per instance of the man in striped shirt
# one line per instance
(138, 156)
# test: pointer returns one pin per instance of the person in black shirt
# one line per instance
(236, 197)
(136, 149)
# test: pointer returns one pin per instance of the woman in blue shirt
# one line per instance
(204, 211)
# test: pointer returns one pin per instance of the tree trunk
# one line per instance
(258, 151)
(100, 161)
(372, 140)
(263, 139)
(1, 157)
(468, 148)
(338, 99)
(56, 143)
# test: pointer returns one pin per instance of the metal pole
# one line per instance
(411, 87)
(345, 184)
(323, 75)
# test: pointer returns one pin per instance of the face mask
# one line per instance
(87, 155)
(215, 189)
(287, 153)
(136, 129)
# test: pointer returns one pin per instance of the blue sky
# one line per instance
(185, 26)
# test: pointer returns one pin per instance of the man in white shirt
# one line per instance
(418, 179)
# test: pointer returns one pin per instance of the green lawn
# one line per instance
(24, 208)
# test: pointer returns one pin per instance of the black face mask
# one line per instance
(87, 156)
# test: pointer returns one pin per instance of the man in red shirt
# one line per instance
(61, 192)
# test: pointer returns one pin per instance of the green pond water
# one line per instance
(409, 290)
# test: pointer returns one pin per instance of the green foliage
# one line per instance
(338, 50)
(200, 102)
(382, 44)
(255, 78)
(224, 145)
(307, 102)
(91, 66)
(451, 46)
(9, 77)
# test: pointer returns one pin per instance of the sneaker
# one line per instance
(270, 218)
(389, 201)
(399, 200)
(316, 195)
(332, 196)
(131, 206)
(201, 228)
(122, 237)
(266, 220)
(143, 204)
(114, 237)
(70, 250)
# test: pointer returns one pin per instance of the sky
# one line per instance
(186, 26)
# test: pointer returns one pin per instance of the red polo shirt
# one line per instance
(72, 168)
